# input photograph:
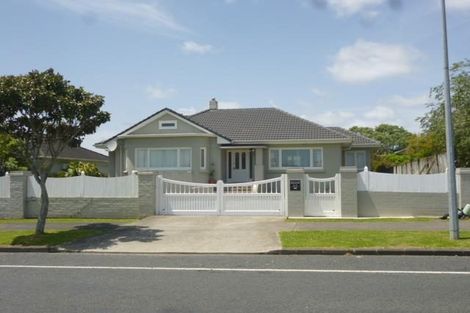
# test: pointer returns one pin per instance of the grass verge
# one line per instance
(362, 220)
(51, 238)
(54, 220)
(372, 239)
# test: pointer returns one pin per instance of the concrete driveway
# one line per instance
(190, 234)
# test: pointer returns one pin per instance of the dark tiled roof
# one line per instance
(263, 124)
(81, 154)
(357, 139)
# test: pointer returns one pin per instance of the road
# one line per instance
(35, 282)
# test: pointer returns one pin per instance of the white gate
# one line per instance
(266, 197)
(323, 196)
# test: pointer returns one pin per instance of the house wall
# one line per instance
(196, 174)
(332, 160)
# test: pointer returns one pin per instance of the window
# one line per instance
(296, 157)
(167, 125)
(355, 158)
(163, 158)
(203, 158)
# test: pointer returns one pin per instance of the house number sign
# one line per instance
(294, 184)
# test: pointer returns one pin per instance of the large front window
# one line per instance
(163, 158)
(296, 158)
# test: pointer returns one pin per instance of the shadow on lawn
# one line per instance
(113, 234)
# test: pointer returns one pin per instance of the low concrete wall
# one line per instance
(383, 204)
(86, 207)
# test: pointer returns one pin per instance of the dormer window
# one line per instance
(167, 125)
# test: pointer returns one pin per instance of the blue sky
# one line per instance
(336, 62)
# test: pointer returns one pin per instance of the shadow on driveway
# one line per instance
(114, 235)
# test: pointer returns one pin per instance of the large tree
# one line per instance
(10, 154)
(47, 113)
(432, 123)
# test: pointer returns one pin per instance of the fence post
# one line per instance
(147, 193)
(285, 199)
(17, 207)
(82, 183)
(296, 195)
(348, 183)
(220, 197)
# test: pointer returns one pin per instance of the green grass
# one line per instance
(362, 220)
(372, 239)
(53, 220)
(51, 238)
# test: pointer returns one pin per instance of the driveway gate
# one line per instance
(265, 197)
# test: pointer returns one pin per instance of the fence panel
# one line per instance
(86, 187)
(383, 182)
(5, 186)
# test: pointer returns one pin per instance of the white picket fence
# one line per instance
(383, 182)
(266, 197)
(5, 186)
(323, 196)
(86, 187)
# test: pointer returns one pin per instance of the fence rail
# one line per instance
(86, 187)
(5, 186)
(383, 182)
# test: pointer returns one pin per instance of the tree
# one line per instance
(10, 150)
(48, 114)
(77, 168)
(432, 123)
(393, 138)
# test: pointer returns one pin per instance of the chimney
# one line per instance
(213, 104)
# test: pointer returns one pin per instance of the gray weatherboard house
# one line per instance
(234, 145)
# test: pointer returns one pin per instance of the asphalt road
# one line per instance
(31, 282)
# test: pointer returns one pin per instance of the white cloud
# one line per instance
(332, 118)
(229, 105)
(380, 113)
(413, 101)
(349, 7)
(139, 13)
(317, 92)
(458, 4)
(366, 61)
(157, 92)
(187, 111)
(197, 48)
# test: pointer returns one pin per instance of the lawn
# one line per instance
(51, 238)
(362, 220)
(372, 239)
(53, 220)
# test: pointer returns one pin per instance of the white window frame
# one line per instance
(178, 153)
(311, 167)
(204, 159)
(160, 124)
(356, 152)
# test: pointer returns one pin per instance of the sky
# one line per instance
(335, 62)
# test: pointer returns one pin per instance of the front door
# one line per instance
(238, 166)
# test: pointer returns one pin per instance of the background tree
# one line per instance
(48, 114)
(432, 123)
(393, 139)
(77, 168)
(10, 152)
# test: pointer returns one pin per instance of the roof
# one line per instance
(357, 139)
(81, 154)
(255, 125)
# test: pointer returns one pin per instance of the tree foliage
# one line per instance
(392, 137)
(10, 154)
(47, 113)
(433, 122)
(77, 168)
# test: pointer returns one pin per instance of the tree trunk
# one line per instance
(41, 224)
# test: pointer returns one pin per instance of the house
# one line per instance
(79, 154)
(234, 145)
